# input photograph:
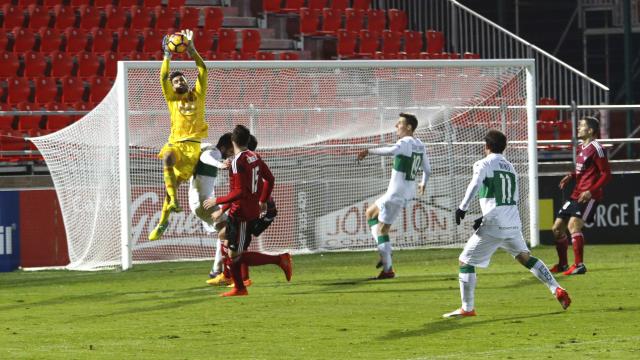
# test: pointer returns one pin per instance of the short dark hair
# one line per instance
(253, 143)
(496, 141)
(175, 74)
(224, 141)
(241, 135)
(411, 120)
(593, 123)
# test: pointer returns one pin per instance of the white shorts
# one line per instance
(389, 209)
(201, 188)
(486, 240)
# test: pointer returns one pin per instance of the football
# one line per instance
(177, 43)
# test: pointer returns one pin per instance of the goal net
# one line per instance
(310, 119)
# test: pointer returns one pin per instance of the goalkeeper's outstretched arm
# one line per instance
(201, 83)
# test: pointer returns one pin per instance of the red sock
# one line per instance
(236, 272)
(252, 258)
(578, 247)
(562, 245)
(244, 270)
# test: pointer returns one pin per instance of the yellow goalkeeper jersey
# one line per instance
(187, 111)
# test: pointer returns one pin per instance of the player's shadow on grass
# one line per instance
(443, 325)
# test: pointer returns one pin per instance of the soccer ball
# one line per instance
(177, 43)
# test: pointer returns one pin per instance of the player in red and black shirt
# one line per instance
(251, 183)
(591, 174)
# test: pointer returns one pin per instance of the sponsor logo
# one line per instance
(6, 239)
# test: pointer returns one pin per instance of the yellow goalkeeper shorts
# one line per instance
(187, 154)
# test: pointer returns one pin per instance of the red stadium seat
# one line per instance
(46, 90)
(27, 3)
(117, 17)
(102, 40)
(4, 40)
(100, 87)
(39, 16)
(216, 56)
(546, 130)
(354, 19)
(548, 114)
(289, 55)
(361, 4)
(317, 4)
(271, 6)
(6, 121)
(29, 124)
(128, 40)
(152, 3)
(376, 20)
(189, 17)
(25, 40)
(110, 64)
(76, 40)
(435, 42)
(140, 17)
(213, 19)
(413, 44)
(19, 91)
(390, 43)
(368, 44)
(470, 55)
(35, 64)
(227, 41)
(50, 40)
(88, 64)
(397, 20)
(65, 17)
(331, 21)
(340, 4)
(128, 3)
(72, 90)
(265, 55)
(292, 6)
(346, 44)
(61, 64)
(9, 64)
(152, 40)
(102, 3)
(309, 21)
(14, 16)
(166, 18)
(250, 43)
(57, 122)
(205, 39)
(176, 3)
(90, 17)
(565, 130)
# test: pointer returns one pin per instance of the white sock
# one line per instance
(374, 232)
(539, 270)
(385, 252)
(217, 262)
(467, 290)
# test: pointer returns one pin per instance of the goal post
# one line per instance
(310, 118)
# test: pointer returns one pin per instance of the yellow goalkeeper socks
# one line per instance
(170, 184)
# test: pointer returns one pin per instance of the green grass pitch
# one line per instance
(328, 311)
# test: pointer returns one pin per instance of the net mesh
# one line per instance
(310, 122)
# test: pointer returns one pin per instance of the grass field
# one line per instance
(328, 311)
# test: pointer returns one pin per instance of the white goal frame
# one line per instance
(122, 84)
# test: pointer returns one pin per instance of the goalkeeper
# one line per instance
(186, 108)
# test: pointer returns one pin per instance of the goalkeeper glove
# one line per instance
(459, 215)
(165, 48)
(477, 222)
(188, 34)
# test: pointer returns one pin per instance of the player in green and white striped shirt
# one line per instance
(496, 181)
(409, 156)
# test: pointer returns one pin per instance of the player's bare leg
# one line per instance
(577, 239)
(562, 244)
(223, 278)
(540, 271)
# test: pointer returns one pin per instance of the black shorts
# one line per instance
(585, 211)
(264, 221)
(238, 233)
